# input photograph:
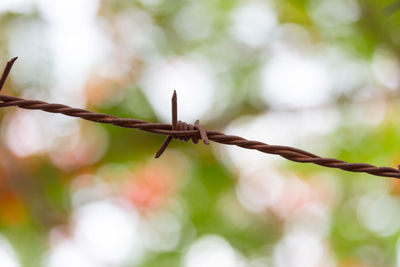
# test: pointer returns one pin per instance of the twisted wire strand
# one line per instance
(183, 131)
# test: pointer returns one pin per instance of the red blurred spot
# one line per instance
(150, 187)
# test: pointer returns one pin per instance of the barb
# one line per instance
(6, 71)
(182, 126)
(183, 131)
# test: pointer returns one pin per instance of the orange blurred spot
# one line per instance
(351, 263)
(98, 90)
(12, 209)
(149, 187)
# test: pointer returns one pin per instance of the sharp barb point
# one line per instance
(12, 60)
(163, 147)
(174, 111)
(6, 71)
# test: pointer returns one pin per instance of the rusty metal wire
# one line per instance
(183, 131)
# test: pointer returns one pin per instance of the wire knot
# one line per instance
(179, 126)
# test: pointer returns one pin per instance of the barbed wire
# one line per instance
(185, 132)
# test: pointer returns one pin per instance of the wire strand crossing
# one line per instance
(183, 131)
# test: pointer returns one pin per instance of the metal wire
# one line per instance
(183, 131)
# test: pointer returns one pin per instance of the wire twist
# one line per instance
(183, 131)
(184, 127)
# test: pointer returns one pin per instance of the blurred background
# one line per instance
(321, 75)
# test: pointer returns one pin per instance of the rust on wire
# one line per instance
(183, 131)
(182, 126)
